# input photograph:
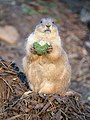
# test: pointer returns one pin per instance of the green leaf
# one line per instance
(40, 49)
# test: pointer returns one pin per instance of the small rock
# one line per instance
(9, 34)
(85, 14)
(84, 51)
(87, 44)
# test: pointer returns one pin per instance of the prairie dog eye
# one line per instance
(41, 21)
(53, 22)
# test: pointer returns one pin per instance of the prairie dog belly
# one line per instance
(45, 75)
(40, 72)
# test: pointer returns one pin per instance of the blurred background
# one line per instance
(18, 19)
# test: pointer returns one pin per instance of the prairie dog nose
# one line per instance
(48, 25)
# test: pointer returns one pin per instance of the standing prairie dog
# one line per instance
(48, 73)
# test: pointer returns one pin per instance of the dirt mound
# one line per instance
(17, 104)
(45, 107)
(11, 83)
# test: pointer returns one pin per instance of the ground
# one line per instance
(74, 34)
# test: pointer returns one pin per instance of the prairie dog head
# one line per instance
(46, 27)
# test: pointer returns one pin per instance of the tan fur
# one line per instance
(50, 73)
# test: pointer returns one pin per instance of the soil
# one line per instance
(73, 32)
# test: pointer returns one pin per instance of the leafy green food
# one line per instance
(40, 49)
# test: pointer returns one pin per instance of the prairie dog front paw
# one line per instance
(50, 48)
(33, 50)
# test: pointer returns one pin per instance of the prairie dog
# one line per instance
(49, 73)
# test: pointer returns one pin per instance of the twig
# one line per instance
(7, 83)
(16, 116)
